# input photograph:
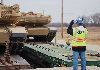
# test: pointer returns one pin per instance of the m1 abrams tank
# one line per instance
(25, 26)
(17, 28)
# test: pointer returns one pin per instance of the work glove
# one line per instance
(72, 22)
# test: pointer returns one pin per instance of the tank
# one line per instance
(33, 24)
(18, 28)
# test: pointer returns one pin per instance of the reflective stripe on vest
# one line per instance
(79, 37)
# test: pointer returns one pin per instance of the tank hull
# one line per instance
(41, 38)
(40, 34)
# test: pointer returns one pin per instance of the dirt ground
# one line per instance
(93, 35)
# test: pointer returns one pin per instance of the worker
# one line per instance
(78, 43)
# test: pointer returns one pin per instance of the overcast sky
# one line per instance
(72, 8)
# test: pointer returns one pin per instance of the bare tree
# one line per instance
(92, 20)
(96, 18)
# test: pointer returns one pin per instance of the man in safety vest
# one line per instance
(78, 43)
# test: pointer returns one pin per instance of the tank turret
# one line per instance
(34, 19)
(9, 14)
(32, 23)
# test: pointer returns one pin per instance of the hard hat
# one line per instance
(79, 21)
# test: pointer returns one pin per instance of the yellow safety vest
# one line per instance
(79, 37)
